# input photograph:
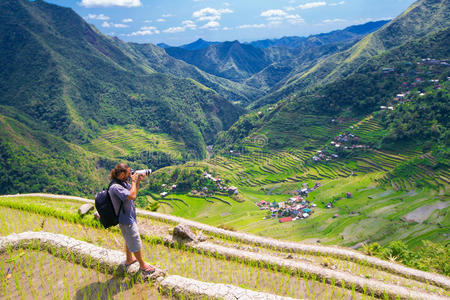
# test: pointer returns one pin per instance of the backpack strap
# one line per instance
(115, 181)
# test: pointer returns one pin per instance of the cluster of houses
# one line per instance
(297, 207)
(433, 61)
(167, 187)
(219, 185)
(344, 141)
(232, 190)
(404, 97)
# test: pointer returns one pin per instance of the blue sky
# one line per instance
(178, 22)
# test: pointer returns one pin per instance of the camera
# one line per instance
(145, 172)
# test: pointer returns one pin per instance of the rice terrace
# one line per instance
(307, 160)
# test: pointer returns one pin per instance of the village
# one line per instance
(295, 208)
(344, 141)
(215, 185)
(407, 95)
(347, 141)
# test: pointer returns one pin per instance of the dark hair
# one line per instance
(118, 169)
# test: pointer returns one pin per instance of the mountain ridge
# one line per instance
(424, 16)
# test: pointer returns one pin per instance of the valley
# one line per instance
(311, 167)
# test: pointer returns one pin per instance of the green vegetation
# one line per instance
(35, 161)
(79, 102)
(175, 259)
(429, 257)
(75, 81)
(422, 18)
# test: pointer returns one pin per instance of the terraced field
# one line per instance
(221, 259)
(257, 167)
(119, 142)
(382, 193)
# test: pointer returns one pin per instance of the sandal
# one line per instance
(148, 270)
(133, 262)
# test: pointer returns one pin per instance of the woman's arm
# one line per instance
(135, 180)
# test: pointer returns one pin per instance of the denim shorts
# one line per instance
(131, 235)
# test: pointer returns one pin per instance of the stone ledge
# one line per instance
(377, 287)
(114, 262)
(347, 254)
(180, 286)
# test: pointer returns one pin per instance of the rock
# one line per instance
(201, 237)
(289, 256)
(182, 233)
(85, 208)
(134, 271)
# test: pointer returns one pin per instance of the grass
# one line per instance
(119, 141)
(186, 261)
(177, 261)
(41, 275)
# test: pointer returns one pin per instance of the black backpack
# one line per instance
(105, 207)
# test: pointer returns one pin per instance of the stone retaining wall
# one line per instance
(347, 254)
(180, 286)
(378, 288)
(113, 261)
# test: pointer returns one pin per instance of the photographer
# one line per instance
(124, 192)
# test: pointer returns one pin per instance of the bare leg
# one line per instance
(142, 263)
(129, 256)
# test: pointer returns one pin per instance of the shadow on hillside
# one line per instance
(103, 290)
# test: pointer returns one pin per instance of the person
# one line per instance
(121, 191)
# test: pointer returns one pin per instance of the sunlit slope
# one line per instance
(421, 18)
(36, 161)
(64, 73)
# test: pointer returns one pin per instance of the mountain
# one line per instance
(303, 120)
(74, 83)
(64, 73)
(274, 76)
(163, 45)
(346, 34)
(160, 61)
(421, 18)
(275, 59)
(198, 45)
(231, 60)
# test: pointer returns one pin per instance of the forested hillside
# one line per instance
(421, 18)
(69, 83)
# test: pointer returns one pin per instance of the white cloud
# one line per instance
(189, 24)
(337, 3)
(226, 4)
(120, 26)
(273, 13)
(211, 25)
(295, 19)
(108, 25)
(97, 17)
(328, 21)
(145, 30)
(289, 8)
(277, 16)
(125, 3)
(149, 28)
(129, 20)
(227, 28)
(312, 5)
(174, 29)
(167, 15)
(251, 26)
(210, 14)
(160, 20)
(148, 21)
